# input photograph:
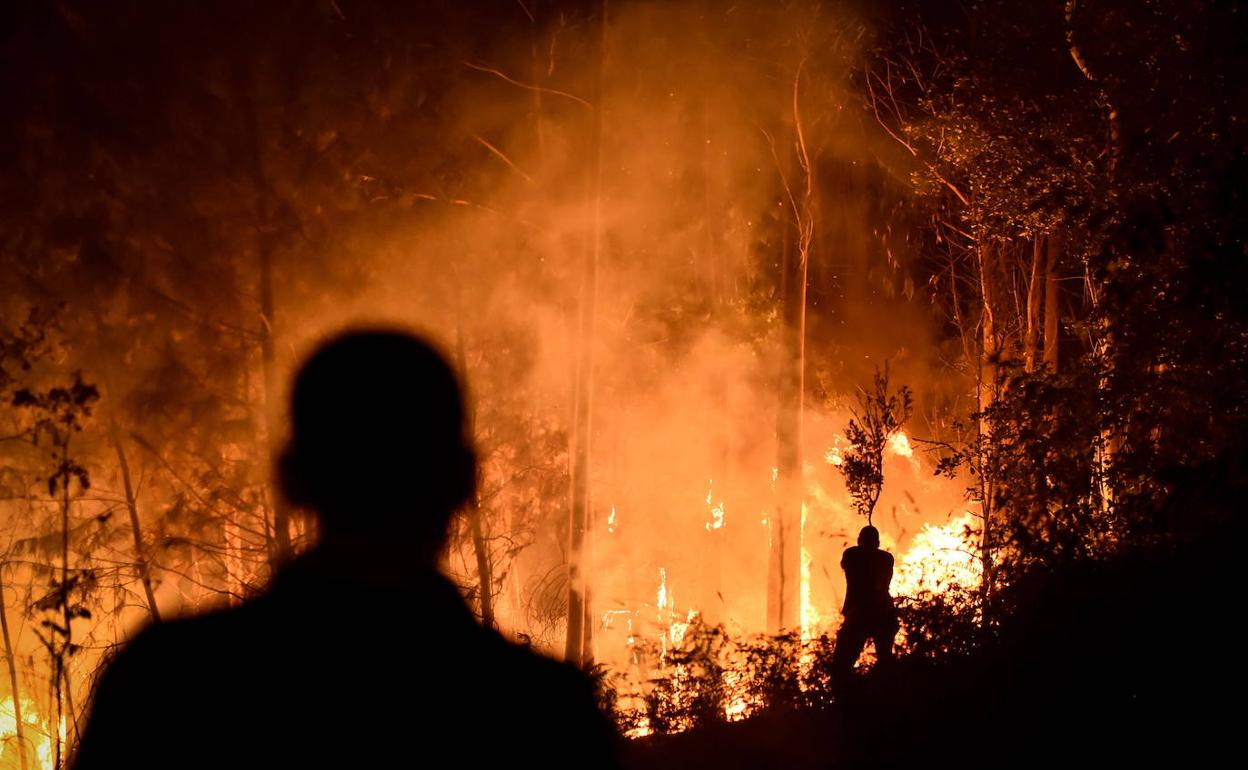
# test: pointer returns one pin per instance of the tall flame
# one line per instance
(939, 558)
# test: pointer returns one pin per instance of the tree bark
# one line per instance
(783, 596)
(785, 523)
(132, 508)
(70, 713)
(485, 574)
(1052, 329)
(281, 512)
(539, 128)
(14, 688)
(991, 347)
(988, 390)
(60, 658)
(1035, 287)
(579, 641)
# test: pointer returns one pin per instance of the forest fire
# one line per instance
(738, 295)
(940, 557)
(936, 558)
(35, 733)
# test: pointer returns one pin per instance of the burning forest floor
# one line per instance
(1109, 662)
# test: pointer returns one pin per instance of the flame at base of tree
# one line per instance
(40, 748)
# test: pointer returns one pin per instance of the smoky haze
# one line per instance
(199, 214)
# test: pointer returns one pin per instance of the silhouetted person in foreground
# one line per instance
(868, 612)
(360, 654)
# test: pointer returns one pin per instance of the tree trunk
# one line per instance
(71, 715)
(1052, 330)
(783, 596)
(281, 512)
(485, 575)
(785, 523)
(539, 128)
(14, 688)
(235, 579)
(61, 657)
(578, 645)
(248, 83)
(990, 349)
(988, 390)
(136, 531)
(485, 578)
(1035, 286)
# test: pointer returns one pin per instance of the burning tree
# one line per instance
(879, 417)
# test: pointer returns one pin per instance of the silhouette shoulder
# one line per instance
(133, 704)
(553, 694)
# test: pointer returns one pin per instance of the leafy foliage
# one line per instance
(879, 416)
(711, 677)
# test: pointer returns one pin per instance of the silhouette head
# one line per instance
(869, 537)
(378, 447)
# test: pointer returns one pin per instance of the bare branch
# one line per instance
(501, 156)
(527, 86)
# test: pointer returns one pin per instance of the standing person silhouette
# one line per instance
(360, 653)
(868, 612)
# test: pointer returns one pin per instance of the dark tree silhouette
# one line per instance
(880, 414)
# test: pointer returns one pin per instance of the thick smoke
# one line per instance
(458, 178)
(697, 115)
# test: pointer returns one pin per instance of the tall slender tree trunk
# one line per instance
(132, 508)
(61, 657)
(785, 523)
(579, 643)
(1052, 319)
(485, 574)
(539, 124)
(994, 322)
(711, 558)
(71, 714)
(281, 512)
(1035, 293)
(236, 582)
(11, 660)
(783, 596)
(248, 83)
(988, 390)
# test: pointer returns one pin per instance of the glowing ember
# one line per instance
(678, 628)
(737, 705)
(642, 729)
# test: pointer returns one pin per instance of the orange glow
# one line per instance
(940, 557)
(899, 444)
(40, 751)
